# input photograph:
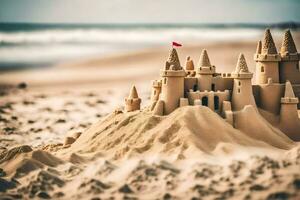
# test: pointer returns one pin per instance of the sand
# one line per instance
(136, 155)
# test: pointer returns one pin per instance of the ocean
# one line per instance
(41, 45)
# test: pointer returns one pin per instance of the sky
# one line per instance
(150, 11)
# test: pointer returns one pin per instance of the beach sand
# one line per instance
(132, 156)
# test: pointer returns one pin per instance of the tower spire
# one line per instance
(133, 93)
(173, 59)
(258, 48)
(288, 44)
(289, 93)
(241, 66)
(268, 44)
(204, 59)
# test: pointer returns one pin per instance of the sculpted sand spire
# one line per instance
(288, 44)
(242, 94)
(267, 61)
(289, 65)
(173, 60)
(288, 92)
(204, 59)
(268, 44)
(241, 66)
(133, 101)
(258, 48)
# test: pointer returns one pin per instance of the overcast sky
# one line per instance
(150, 11)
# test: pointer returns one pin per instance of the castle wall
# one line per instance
(223, 82)
(190, 83)
(211, 99)
(265, 70)
(242, 94)
(204, 82)
(289, 121)
(269, 97)
(289, 70)
(296, 88)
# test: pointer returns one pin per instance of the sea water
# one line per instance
(39, 45)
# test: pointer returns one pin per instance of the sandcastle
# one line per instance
(274, 95)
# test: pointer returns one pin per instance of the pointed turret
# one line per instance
(289, 64)
(288, 44)
(241, 66)
(268, 44)
(173, 60)
(289, 119)
(289, 95)
(289, 90)
(133, 101)
(242, 93)
(204, 59)
(204, 66)
(133, 93)
(258, 48)
(189, 64)
(267, 60)
(172, 85)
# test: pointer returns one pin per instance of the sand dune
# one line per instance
(186, 132)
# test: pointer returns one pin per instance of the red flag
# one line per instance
(176, 44)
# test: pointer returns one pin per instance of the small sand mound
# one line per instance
(20, 161)
(185, 132)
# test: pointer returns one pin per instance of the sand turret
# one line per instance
(258, 48)
(173, 62)
(242, 93)
(132, 102)
(289, 120)
(172, 88)
(267, 60)
(289, 65)
(289, 96)
(205, 72)
(189, 67)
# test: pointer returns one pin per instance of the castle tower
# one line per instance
(205, 72)
(289, 120)
(132, 102)
(267, 60)
(242, 88)
(289, 65)
(189, 67)
(172, 88)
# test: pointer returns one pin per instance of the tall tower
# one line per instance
(289, 120)
(172, 88)
(132, 102)
(205, 72)
(289, 65)
(242, 88)
(267, 60)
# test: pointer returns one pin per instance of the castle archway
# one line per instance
(204, 101)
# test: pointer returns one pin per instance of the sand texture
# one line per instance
(63, 136)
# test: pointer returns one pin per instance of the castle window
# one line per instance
(165, 80)
(216, 102)
(262, 69)
(213, 87)
(297, 66)
(154, 92)
(239, 83)
(195, 88)
(239, 90)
